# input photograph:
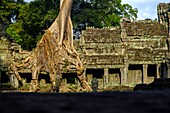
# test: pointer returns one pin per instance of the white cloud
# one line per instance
(28, 0)
(136, 1)
(146, 8)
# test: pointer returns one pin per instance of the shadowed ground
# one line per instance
(156, 101)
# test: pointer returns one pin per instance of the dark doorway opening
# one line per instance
(164, 70)
(26, 76)
(151, 70)
(44, 76)
(70, 77)
(4, 77)
(135, 67)
(114, 71)
(97, 73)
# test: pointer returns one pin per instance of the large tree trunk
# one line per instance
(54, 49)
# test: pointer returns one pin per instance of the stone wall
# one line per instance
(10, 52)
(163, 11)
(135, 49)
(5, 53)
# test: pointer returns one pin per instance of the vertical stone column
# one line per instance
(145, 73)
(124, 74)
(14, 81)
(164, 70)
(89, 76)
(168, 24)
(84, 74)
(0, 79)
(58, 74)
(168, 37)
(168, 73)
(106, 77)
(158, 71)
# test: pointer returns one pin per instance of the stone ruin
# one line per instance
(129, 55)
(134, 53)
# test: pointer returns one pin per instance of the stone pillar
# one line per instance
(0, 79)
(164, 70)
(89, 78)
(145, 74)
(14, 81)
(106, 77)
(168, 73)
(58, 74)
(168, 37)
(84, 75)
(124, 74)
(58, 78)
(168, 24)
(158, 71)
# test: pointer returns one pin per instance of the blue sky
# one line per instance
(146, 8)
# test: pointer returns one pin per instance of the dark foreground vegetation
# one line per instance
(151, 98)
(152, 101)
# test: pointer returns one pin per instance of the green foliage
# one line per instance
(31, 19)
(15, 30)
(102, 13)
(9, 10)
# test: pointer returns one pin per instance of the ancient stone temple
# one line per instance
(163, 10)
(128, 55)
(9, 52)
(134, 53)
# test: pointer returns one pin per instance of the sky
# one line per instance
(146, 8)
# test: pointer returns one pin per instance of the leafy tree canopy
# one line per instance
(101, 13)
(33, 18)
(9, 10)
(28, 20)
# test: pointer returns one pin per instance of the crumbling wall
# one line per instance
(145, 28)
(133, 43)
(105, 35)
(9, 53)
(5, 53)
(163, 11)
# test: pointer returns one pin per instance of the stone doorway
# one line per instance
(151, 72)
(114, 77)
(4, 77)
(95, 73)
(69, 78)
(164, 70)
(134, 74)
